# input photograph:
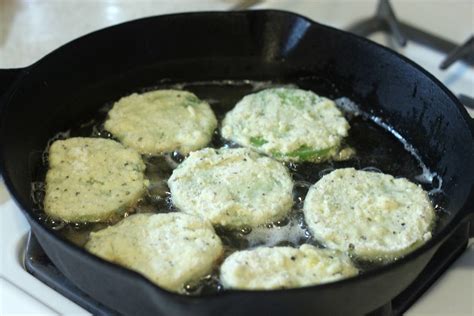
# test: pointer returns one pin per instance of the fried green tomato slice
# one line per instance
(162, 121)
(170, 249)
(266, 268)
(367, 214)
(287, 124)
(92, 179)
(232, 187)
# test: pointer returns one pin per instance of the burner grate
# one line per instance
(385, 20)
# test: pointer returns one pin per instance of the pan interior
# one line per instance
(378, 148)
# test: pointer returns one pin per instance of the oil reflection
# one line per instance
(297, 32)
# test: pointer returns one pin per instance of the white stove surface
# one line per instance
(30, 29)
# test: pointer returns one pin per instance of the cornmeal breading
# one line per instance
(371, 215)
(287, 124)
(169, 249)
(266, 268)
(162, 121)
(232, 187)
(92, 179)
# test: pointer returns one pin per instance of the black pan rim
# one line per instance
(432, 243)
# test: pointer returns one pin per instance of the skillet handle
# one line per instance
(7, 78)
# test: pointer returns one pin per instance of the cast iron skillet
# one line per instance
(67, 86)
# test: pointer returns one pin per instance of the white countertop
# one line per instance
(30, 29)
